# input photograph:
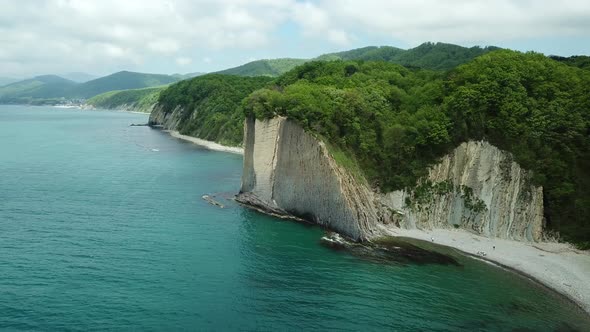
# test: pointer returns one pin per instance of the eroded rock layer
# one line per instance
(288, 171)
(476, 187)
(168, 120)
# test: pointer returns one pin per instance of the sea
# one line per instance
(103, 227)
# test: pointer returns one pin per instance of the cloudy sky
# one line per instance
(169, 36)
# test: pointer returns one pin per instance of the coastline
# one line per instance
(204, 143)
(557, 266)
(123, 109)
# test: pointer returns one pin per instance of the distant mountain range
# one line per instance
(187, 76)
(46, 86)
(271, 67)
(79, 77)
(56, 87)
(435, 56)
(7, 80)
(52, 89)
(120, 81)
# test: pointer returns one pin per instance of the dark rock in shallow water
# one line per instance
(516, 307)
(388, 250)
(210, 199)
(565, 327)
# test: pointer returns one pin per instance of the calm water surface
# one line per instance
(102, 227)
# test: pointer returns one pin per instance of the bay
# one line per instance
(102, 227)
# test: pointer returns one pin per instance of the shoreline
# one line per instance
(206, 144)
(557, 266)
(124, 109)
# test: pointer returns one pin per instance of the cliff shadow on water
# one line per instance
(391, 250)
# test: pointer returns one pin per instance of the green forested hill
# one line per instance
(120, 81)
(47, 86)
(271, 68)
(211, 105)
(78, 77)
(140, 100)
(580, 61)
(187, 76)
(436, 56)
(370, 53)
(394, 122)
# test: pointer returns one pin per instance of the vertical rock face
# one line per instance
(288, 171)
(169, 120)
(477, 187)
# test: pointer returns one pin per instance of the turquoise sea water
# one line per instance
(102, 227)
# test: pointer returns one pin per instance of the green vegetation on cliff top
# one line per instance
(211, 105)
(397, 121)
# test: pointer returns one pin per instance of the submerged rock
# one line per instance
(209, 199)
(387, 250)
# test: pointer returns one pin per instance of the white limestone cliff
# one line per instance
(288, 171)
(476, 187)
(483, 190)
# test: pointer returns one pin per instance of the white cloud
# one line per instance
(184, 61)
(338, 37)
(44, 36)
(164, 46)
(65, 35)
(452, 20)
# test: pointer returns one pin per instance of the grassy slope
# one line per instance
(140, 100)
(120, 81)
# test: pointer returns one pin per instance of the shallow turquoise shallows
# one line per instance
(102, 227)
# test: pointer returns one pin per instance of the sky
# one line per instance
(182, 36)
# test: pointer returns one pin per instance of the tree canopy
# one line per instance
(211, 105)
